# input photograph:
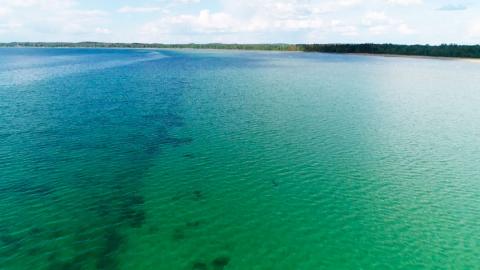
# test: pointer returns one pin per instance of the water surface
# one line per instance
(165, 159)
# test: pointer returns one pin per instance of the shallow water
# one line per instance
(164, 159)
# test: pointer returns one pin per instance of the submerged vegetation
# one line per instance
(444, 50)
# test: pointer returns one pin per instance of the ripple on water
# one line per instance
(239, 160)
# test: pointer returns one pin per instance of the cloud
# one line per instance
(378, 23)
(187, 1)
(474, 30)
(267, 17)
(51, 4)
(405, 2)
(338, 26)
(286, 9)
(375, 17)
(4, 11)
(256, 15)
(452, 7)
(129, 9)
(49, 20)
(102, 30)
(9, 26)
(279, 21)
(405, 29)
(204, 22)
(236, 21)
(71, 21)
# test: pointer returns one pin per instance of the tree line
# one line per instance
(444, 50)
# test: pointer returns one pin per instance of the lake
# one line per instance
(184, 159)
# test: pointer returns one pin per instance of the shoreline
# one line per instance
(468, 59)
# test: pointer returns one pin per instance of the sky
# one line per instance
(234, 21)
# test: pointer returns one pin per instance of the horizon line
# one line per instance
(238, 43)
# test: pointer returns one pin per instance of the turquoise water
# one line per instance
(164, 159)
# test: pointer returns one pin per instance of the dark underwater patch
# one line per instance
(35, 231)
(175, 141)
(153, 229)
(151, 149)
(199, 266)
(173, 120)
(10, 240)
(198, 195)
(178, 234)
(77, 263)
(29, 189)
(56, 265)
(193, 224)
(10, 244)
(102, 209)
(135, 200)
(169, 119)
(132, 211)
(56, 233)
(135, 217)
(112, 243)
(127, 157)
(138, 219)
(219, 263)
(103, 257)
(178, 197)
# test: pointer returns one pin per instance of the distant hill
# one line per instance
(445, 50)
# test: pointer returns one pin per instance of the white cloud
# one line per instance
(405, 29)
(222, 23)
(474, 30)
(4, 11)
(130, 9)
(204, 22)
(102, 30)
(343, 28)
(57, 20)
(50, 4)
(452, 7)
(9, 26)
(71, 21)
(249, 24)
(255, 17)
(237, 21)
(374, 17)
(187, 1)
(405, 2)
(378, 23)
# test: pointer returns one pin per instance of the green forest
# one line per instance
(445, 50)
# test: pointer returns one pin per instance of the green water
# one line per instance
(147, 159)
